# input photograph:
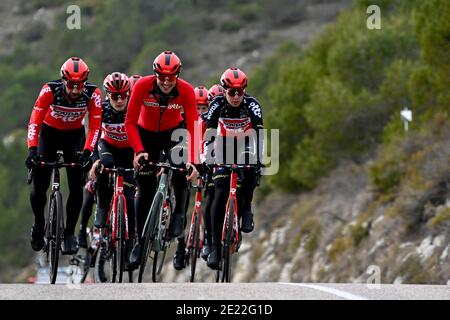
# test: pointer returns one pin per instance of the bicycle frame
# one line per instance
(163, 189)
(56, 176)
(118, 193)
(233, 196)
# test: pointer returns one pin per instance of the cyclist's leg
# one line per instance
(104, 190)
(72, 143)
(40, 185)
(221, 180)
(247, 185)
(124, 159)
(176, 153)
(146, 179)
(86, 212)
(209, 197)
(88, 204)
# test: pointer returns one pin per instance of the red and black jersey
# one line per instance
(113, 126)
(229, 122)
(54, 109)
(154, 111)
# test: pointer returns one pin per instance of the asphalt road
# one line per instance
(220, 291)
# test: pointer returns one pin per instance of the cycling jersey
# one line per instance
(229, 121)
(154, 111)
(113, 127)
(54, 109)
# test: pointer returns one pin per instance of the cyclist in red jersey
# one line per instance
(154, 113)
(56, 123)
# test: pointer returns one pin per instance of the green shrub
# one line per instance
(231, 26)
(358, 232)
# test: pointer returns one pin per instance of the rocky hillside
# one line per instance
(346, 225)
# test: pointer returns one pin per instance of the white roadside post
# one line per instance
(406, 116)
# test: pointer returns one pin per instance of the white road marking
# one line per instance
(339, 293)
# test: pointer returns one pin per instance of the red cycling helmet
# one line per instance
(75, 69)
(214, 91)
(201, 95)
(116, 82)
(133, 79)
(233, 78)
(167, 63)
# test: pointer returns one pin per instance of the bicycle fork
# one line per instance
(233, 187)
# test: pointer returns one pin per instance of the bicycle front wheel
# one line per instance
(120, 241)
(56, 232)
(149, 233)
(227, 247)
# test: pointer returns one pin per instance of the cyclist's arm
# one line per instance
(212, 121)
(191, 116)
(95, 120)
(132, 117)
(202, 130)
(40, 109)
(95, 156)
(257, 121)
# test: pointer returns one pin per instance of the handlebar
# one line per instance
(235, 166)
(119, 170)
(59, 164)
(144, 163)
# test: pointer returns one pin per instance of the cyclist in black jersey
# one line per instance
(234, 115)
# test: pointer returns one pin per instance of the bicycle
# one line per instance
(113, 238)
(156, 228)
(231, 236)
(54, 227)
(195, 237)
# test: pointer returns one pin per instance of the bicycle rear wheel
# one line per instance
(101, 256)
(111, 254)
(194, 251)
(85, 265)
(56, 232)
(158, 263)
(149, 233)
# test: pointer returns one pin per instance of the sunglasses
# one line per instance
(123, 94)
(74, 84)
(169, 77)
(235, 92)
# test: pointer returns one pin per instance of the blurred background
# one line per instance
(354, 189)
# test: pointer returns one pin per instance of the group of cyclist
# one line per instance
(136, 124)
